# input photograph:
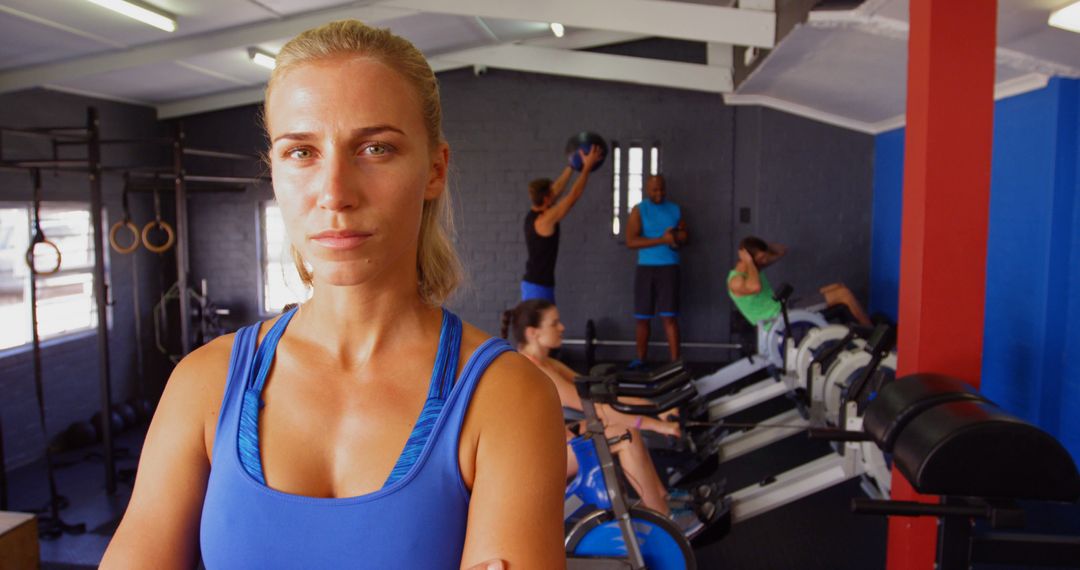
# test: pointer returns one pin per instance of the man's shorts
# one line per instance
(534, 291)
(656, 291)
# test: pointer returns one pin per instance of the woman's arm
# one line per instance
(569, 397)
(514, 432)
(160, 528)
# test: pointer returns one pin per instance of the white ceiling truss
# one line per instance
(843, 67)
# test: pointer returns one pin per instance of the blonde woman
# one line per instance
(368, 428)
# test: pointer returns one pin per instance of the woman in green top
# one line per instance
(753, 295)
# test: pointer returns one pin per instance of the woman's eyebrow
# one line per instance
(355, 134)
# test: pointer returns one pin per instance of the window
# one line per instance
(635, 179)
(281, 283)
(65, 298)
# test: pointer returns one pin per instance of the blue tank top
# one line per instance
(416, 520)
(655, 220)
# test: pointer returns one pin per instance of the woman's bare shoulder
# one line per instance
(511, 378)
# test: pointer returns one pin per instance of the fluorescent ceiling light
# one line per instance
(140, 12)
(557, 29)
(1067, 18)
(263, 58)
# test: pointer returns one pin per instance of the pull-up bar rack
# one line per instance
(90, 136)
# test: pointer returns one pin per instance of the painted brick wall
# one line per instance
(807, 184)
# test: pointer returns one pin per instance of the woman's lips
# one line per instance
(335, 239)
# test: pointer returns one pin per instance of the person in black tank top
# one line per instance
(542, 226)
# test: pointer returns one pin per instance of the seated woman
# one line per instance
(537, 331)
(753, 295)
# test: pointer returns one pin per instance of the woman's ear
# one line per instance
(437, 173)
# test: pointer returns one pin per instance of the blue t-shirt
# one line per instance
(655, 220)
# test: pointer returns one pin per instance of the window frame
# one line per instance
(75, 334)
(651, 161)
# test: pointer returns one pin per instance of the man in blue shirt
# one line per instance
(656, 229)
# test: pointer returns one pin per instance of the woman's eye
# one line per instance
(299, 153)
(376, 149)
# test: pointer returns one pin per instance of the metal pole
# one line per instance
(219, 154)
(182, 264)
(100, 294)
(611, 479)
(602, 342)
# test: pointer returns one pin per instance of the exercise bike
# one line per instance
(603, 530)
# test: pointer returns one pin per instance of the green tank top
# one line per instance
(757, 307)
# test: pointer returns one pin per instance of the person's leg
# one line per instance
(641, 338)
(571, 458)
(667, 301)
(643, 309)
(640, 471)
(838, 294)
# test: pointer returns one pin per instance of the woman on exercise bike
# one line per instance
(536, 331)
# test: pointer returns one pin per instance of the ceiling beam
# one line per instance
(187, 46)
(578, 39)
(240, 97)
(600, 66)
(680, 20)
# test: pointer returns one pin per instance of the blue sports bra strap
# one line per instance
(487, 352)
(440, 356)
(264, 357)
(453, 352)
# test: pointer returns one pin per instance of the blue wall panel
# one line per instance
(885, 232)
(1033, 255)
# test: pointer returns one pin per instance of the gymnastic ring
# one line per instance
(164, 226)
(134, 233)
(30, 257)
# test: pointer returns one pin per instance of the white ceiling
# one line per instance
(844, 67)
(849, 68)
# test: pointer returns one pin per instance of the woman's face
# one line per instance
(549, 334)
(352, 166)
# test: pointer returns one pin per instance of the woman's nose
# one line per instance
(337, 188)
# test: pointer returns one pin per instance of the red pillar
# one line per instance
(947, 159)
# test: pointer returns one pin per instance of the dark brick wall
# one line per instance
(806, 184)
(810, 186)
(70, 365)
(507, 128)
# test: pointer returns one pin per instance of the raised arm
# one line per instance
(634, 239)
(559, 184)
(750, 284)
(776, 251)
(160, 528)
(519, 472)
(545, 222)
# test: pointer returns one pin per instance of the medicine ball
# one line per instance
(116, 422)
(583, 141)
(127, 411)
